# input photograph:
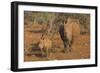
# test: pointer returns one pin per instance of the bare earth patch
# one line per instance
(80, 47)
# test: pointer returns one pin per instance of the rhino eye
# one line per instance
(50, 31)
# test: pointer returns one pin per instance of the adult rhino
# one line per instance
(69, 31)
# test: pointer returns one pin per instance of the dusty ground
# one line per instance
(80, 47)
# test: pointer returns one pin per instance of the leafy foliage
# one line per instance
(56, 19)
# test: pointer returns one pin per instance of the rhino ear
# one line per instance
(65, 21)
